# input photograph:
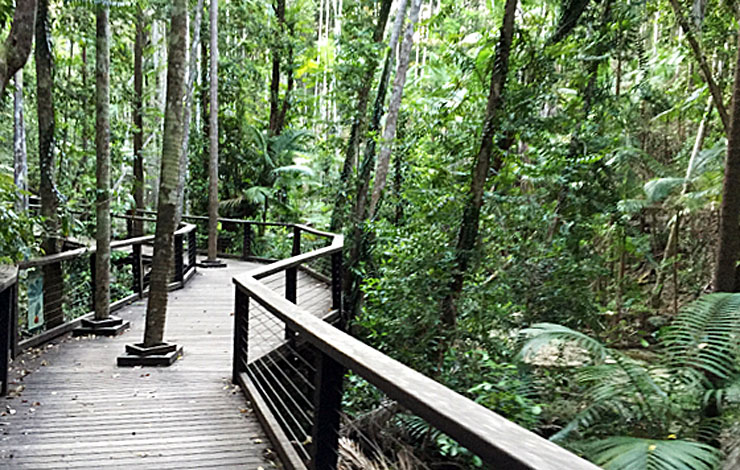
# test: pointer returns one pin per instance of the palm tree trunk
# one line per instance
(102, 171)
(156, 312)
(138, 225)
(193, 71)
(213, 128)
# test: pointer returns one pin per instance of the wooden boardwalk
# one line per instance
(74, 409)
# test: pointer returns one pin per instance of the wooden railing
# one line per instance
(497, 441)
(83, 260)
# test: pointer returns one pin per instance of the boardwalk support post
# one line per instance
(247, 241)
(327, 403)
(137, 272)
(336, 288)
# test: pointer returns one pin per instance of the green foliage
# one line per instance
(628, 407)
(16, 228)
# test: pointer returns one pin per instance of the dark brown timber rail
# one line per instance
(10, 339)
(496, 440)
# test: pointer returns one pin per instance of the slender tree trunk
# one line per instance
(102, 171)
(139, 121)
(188, 110)
(671, 247)
(358, 123)
(204, 92)
(725, 272)
(20, 155)
(17, 47)
(359, 239)
(279, 7)
(213, 165)
(391, 120)
(469, 226)
(83, 74)
(704, 67)
(53, 276)
(162, 263)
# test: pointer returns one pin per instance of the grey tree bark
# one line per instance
(728, 250)
(20, 154)
(138, 116)
(102, 168)
(391, 120)
(213, 130)
(53, 275)
(17, 47)
(192, 72)
(358, 123)
(162, 262)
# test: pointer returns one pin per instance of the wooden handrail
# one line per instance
(89, 250)
(498, 441)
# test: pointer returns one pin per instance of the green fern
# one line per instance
(632, 453)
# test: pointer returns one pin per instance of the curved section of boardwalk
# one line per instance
(73, 408)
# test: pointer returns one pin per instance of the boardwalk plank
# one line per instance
(78, 410)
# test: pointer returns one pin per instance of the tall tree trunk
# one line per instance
(139, 121)
(706, 70)
(213, 128)
(358, 123)
(102, 169)
(20, 155)
(204, 92)
(17, 47)
(359, 240)
(469, 226)
(193, 71)
(53, 276)
(725, 272)
(162, 262)
(391, 120)
(671, 247)
(279, 7)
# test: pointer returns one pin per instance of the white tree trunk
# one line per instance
(20, 154)
(391, 120)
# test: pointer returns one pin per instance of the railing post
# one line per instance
(93, 282)
(291, 274)
(241, 334)
(192, 249)
(5, 337)
(247, 242)
(137, 271)
(327, 405)
(179, 273)
(336, 287)
(14, 321)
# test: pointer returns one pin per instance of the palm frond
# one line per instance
(706, 335)
(632, 453)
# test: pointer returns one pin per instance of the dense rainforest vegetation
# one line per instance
(541, 199)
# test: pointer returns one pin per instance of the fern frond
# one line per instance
(632, 453)
(706, 335)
